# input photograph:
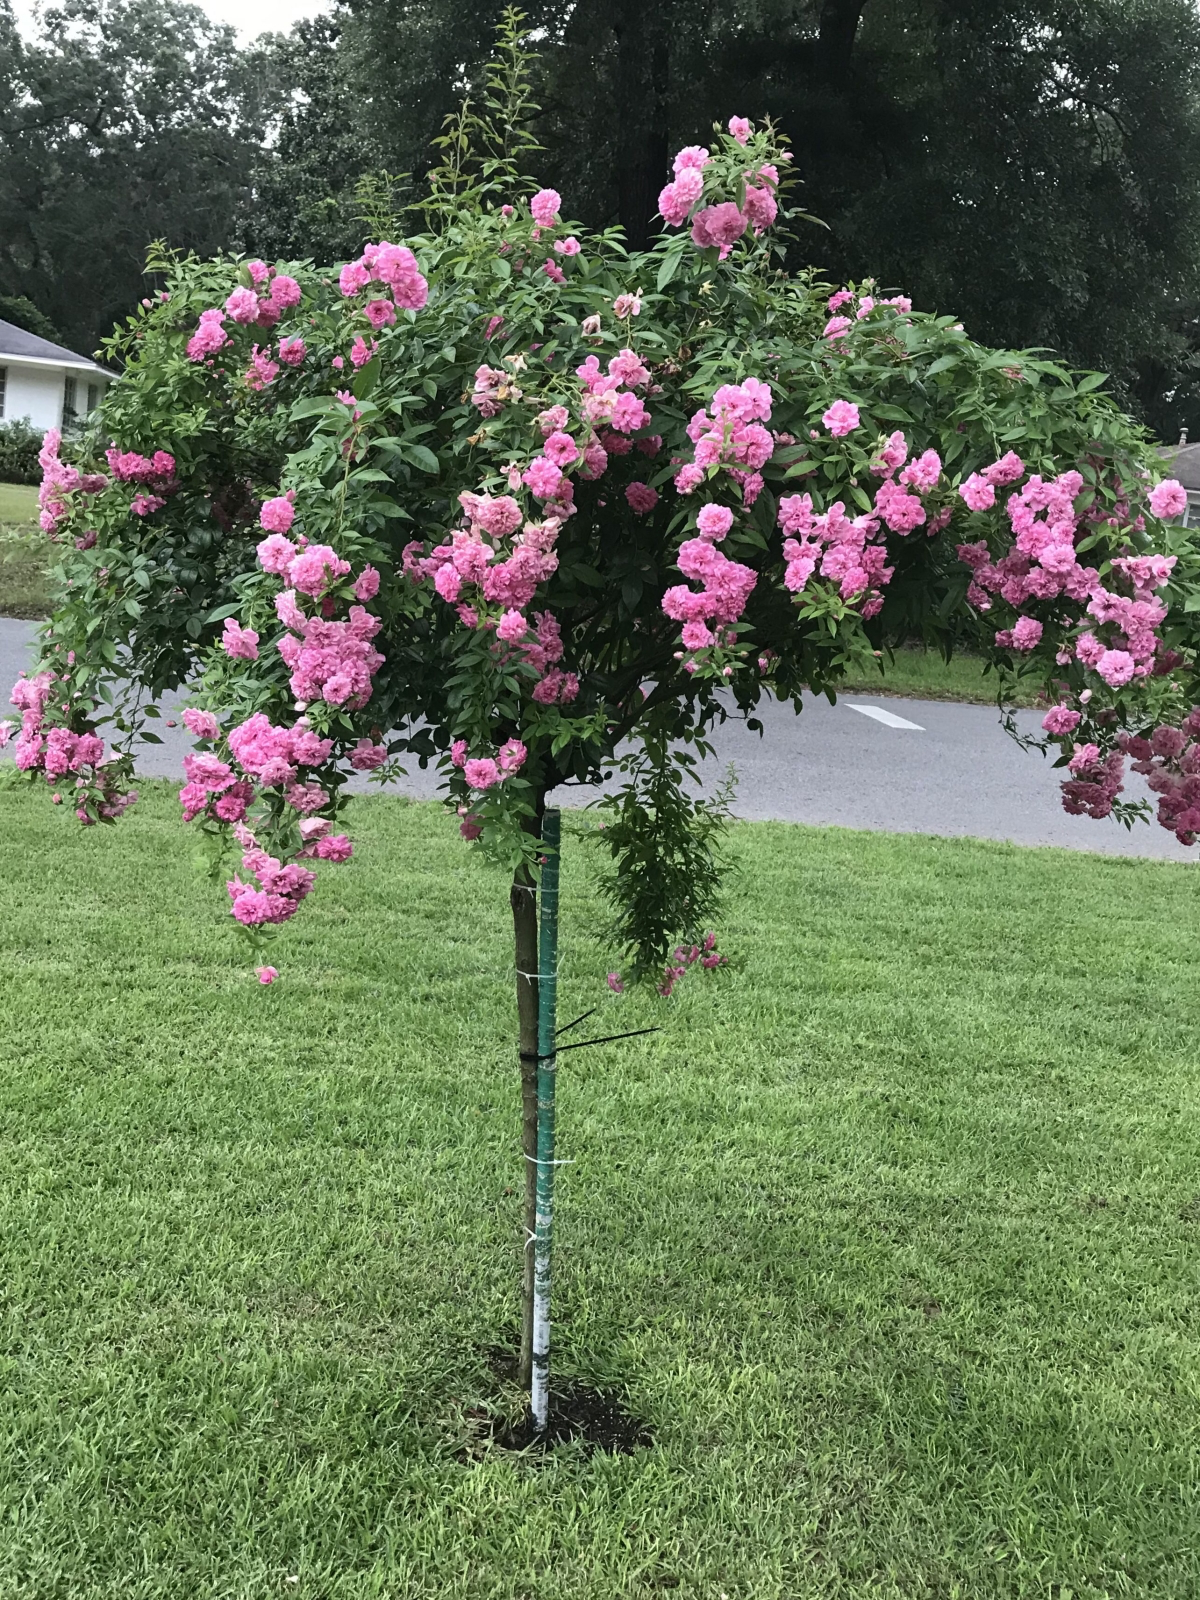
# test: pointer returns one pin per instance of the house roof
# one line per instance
(19, 345)
(1184, 463)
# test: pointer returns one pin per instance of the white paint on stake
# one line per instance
(888, 718)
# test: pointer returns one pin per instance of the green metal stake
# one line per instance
(547, 1062)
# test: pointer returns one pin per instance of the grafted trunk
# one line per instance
(525, 932)
(523, 899)
(539, 1389)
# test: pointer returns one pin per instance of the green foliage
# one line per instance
(20, 442)
(22, 313)
(665, 881)
(123, 121)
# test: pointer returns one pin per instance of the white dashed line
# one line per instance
(888, 718)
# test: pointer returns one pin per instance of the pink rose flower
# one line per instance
(545, 207)
(277, 516)
(482, 773)
(1168, 499)
(841, 418)
(238, 642)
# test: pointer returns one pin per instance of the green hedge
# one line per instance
(20, 442)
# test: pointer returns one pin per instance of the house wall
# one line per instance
(37, 392)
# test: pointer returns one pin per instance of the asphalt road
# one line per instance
(900, 766)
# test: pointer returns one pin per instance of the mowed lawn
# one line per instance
(922, 674)
(891, 1235)
(25, 554)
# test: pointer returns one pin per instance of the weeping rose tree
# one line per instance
(511, 500)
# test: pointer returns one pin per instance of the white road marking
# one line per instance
(888, 718)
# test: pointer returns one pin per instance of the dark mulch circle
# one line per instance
(596, 1419)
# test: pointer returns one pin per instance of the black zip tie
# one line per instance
(566, 1028)
(609, 1038)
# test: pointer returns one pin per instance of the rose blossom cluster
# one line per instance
(722, 223)
(851, 551)
(1095, 784)
(263, 757)
(261, 306)
(155, 476)
(58, 753)
(725, 588)
(485, 772)
(280, 889)
(1042, 565)
(329, 660)
(493, 387)
(897, 500)
(59, 480)
(729, 434)
(266, 757)
(545, 212)
(732, 437)
(1169, 760)
(490, 572)
(847, 550)
(392, 267)
(840, 324)
(482, 773)
(490, 569)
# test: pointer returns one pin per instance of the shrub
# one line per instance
(20, 442)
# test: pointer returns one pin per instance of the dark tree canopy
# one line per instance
(22, 313)
(1033, 168)
(124, 121)
(302, 200)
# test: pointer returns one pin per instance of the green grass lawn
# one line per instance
(24, 554)
(925, 675)
(891, 1235)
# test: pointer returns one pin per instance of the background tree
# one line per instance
(302, 195)
(1031, 168)
(22, 313)
(122, 122)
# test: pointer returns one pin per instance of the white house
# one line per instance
(44, 383)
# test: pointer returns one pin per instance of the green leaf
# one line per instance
(365, 379)
(421, 457)
(669, 267)
(318, 406)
